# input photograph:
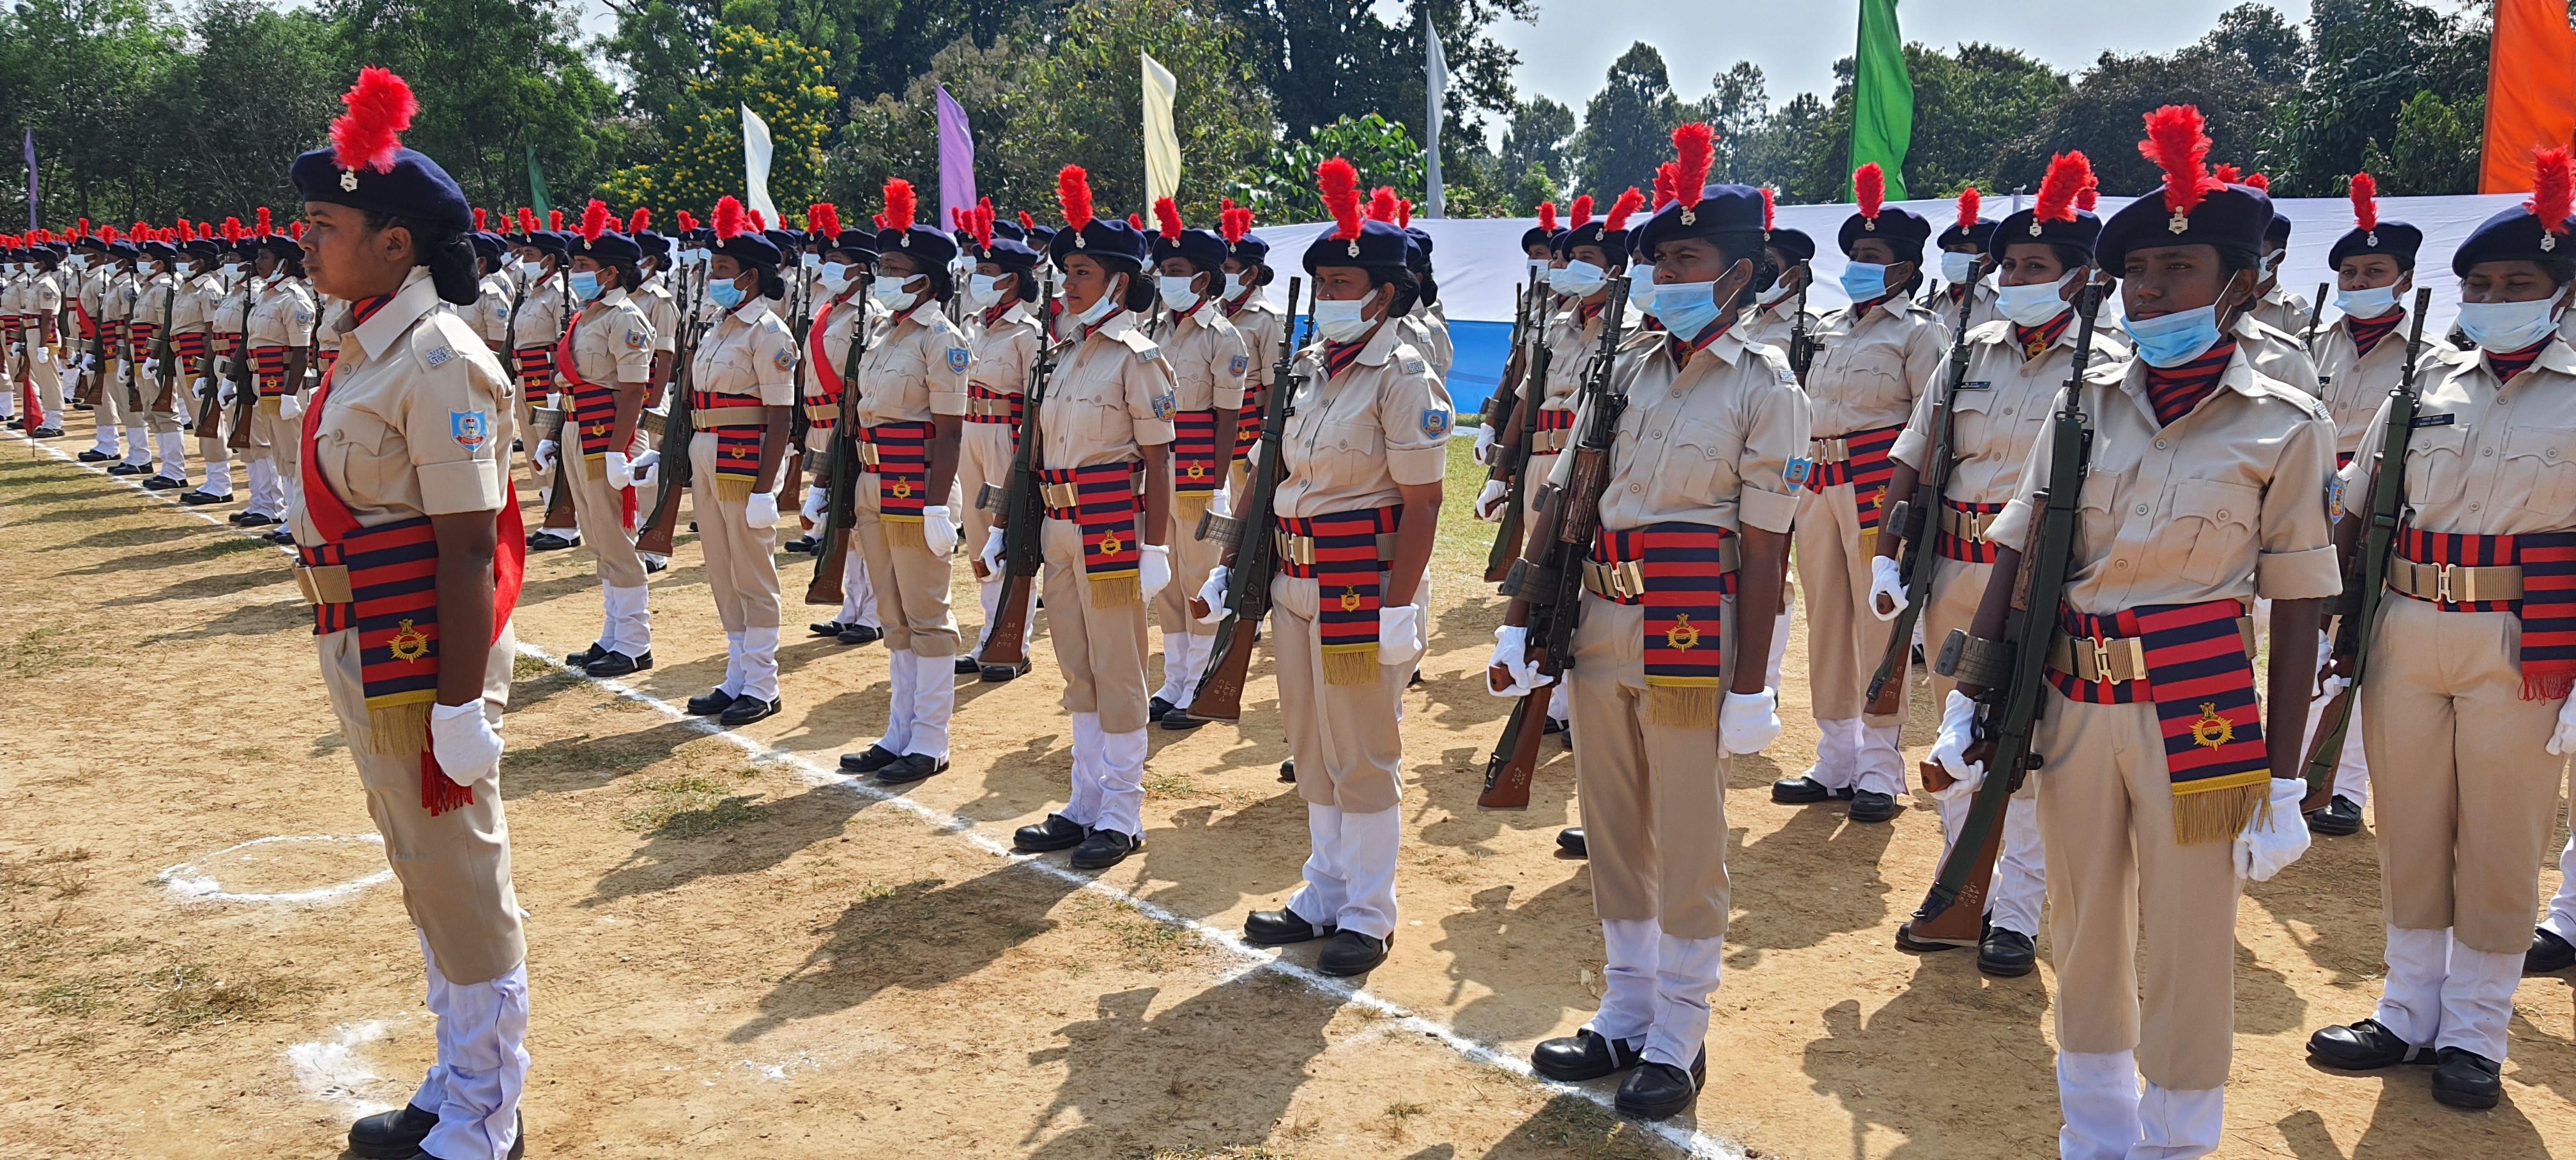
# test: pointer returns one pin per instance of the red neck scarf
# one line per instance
(2174, 391)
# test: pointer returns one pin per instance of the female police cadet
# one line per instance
(1357, 507)
(604, 366)
(1209, 362)
(744, 380)
(1005, 333)
(910, 408)
(405, 480)
(1104, 460)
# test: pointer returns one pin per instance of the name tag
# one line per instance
(2434, 420)
(1977, 385)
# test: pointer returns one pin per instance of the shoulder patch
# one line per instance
(1415, 366)
(1165, 405)
(1144, 347)
(785, 359)
(957, 359)
(1795, 472)
(439, 356)
(1236, 367)
(1435, 421)
(636, 339)
(470, 429)
(2334, 497)
(769, 323)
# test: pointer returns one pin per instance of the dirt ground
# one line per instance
(734, 952)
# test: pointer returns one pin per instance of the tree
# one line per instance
(1540, 131)
(81, 74)
(216, 163)
(2105, 115)
(1736, 108)
(775, 77)
(1627, 126)
(1780, 151)
(1283, 190)
(2436, 150)
(1321, 60)
(2371, 58)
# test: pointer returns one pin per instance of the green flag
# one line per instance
(1882, 96)
(538, 201)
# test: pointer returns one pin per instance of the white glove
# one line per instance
(290, 406)
(1153, 568)
(1489, 502)
(467, 747)
(644, 467)
(1747, 722)
(543, 458)
(1511, 654)
(621, 472)
(1222, 504)
(44, 354)
(226, 393)
(1399, 634)
(89, 362)
(816, 498)
(151, 368)
(761, 509)
(992, 553)
(2272, 842)
(937, 534)
(1484, 452)
(1950, 747)
(2562, 740)
(1213, 594)
(1886, 580)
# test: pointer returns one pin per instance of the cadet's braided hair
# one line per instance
(453, 268)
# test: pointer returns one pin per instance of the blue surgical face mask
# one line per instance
(1864, 281)
(585, 285)
(2174, 339)
(2370, 302)
(1341, 321)
(2506, 327)
(1234, 286)
(2035, 304)
(889, 293)
(1641, 285)
(726, 294)
(836, 277)
(1957, 267)
(1577, 279)
(983, 290)
(1686, 308)
(1176, 292)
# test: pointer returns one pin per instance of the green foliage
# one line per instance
(1284, 189)
(2372, 57)
(1627, 126)
(775, 77)
(2436, 150)
(1540, 132)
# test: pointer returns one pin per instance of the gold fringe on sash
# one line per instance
(397, 725)
(730, 489)
(903, 532)
(1188, 506)
(268, 405)
(2217, 810)
(1680, 706)
(1351, 664)
(1120, 591)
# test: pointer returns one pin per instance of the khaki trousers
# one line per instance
(2461, 780)
(47, 374)
(600, 511)
(1099, 652)
(742, 567)
(273, 436)
(983, 456)
(118, 406)
(454, 868)
(1192, 560)
(1654, 797)
(1957, 587)
(1845, 640)
(911, 584)
(1349, 754)
(2106, 822)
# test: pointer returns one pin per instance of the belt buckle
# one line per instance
(2442, 583)
(2102, 660)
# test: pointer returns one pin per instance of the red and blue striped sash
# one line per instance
(1687, 583)
(269, 363)
(1972, 551)
(1349, 578)
(2548, 605)
(1867, 471)
(2202, 683)
(1195, 467)
(1105, 509)
(902, 469)
(1019, 405)
(737, 441)
(139, 336)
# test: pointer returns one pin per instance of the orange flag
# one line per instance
(2531, 91)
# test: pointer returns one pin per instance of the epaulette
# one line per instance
(1642, 340)
(1996, 331)
(1144, 347)
(1408, 358)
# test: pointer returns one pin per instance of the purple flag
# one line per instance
(31, 179)
(956, 160)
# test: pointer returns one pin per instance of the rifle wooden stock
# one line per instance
(1515, 757)
(1254, 560)
(1220, 691)
(1023, 515)
(1963, 922)
(678, 428)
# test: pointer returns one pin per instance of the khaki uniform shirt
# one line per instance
(1355, 437)
(2353, 386)
(418, 418)
(194, 312)
(1981, 305)
(2485, 458)
(43, 306)
(1430, 326)
(541, 314)
(612, 345)
(280, 315)
(1868, 371)
(1111, 395)
(662, 311)
(1208, 360)
(749, 352)
(1772, 325)
(2282, 311)
(1705, 442)
(2276, 355)
(2003, 407)
(1262, 328)
(490, 314)
(916, 370)
(152, 295)
(1004, 351)
(2227, 503)
(1572, 340)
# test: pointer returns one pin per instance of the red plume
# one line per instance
(84, 226)
(2092, 194)
(478, 219)
(642, 221)
(1870, 182)
(759, 221)
(1694, 151)
(1404, 214)
(823, 220)
(554, 221)
(732, 221)
(1582, 213)
(1167, 217)
(1028, 223)
(1382, 204)
(595, 220)
(983, 227)
(1547, 218)
(688, 221)
(369, 134)
(2227, 174)
(2177, 146)
(1970, 201)
(1770, 209)
(1628, 203)
(265, 228)
(1339, 181)
(901, 203)
(527, 220)
(2260, 182)
(232, 231)
(2553, 189)
(2067, 175)
(1664, 184)
(1073, 194)
(2365, 202)
(107, 233)
(1232, 222)
(1137, 220)
(295, 230)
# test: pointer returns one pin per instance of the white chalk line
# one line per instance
(1696, 1143)
(333, 1071)
(193, 882)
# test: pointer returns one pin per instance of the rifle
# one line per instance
(1531, 352)
(1911, 519)
(791, 498)
(2366, 579)
(245, 382)
(1954, 911)
(210, 422)
(1553, 586)
(1256, 553)
(166, 380)
(567, 436)
(678, 427)
(93, 385)
(1802, 349)
(2316, 310)
(840, 475)
(1018, 504)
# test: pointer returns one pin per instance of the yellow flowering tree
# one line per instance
(777, 78)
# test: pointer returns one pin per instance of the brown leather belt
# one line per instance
(989, 408)
(2452, 583)
(1550, 442)
(1967, 525)
(1626, 580)
(2116, 659)
(325, 584)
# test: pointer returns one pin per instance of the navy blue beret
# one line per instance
(2023, 227)
(1381, 245)
(416, 188)
(1203, 248)
(1723, 210)
(932, 248)
(2234, 218)
(1102, 238)
(1895, 225)
(2515, 235)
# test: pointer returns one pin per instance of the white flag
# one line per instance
(1162, 144)
(1435, 77)
(755, 167)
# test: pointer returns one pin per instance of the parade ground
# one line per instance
(735, 950)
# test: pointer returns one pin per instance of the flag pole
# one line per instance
(1435, 76)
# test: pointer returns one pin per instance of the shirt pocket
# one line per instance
(2211, 530)
(1346, 451)
(354, 457)
(2437, 464)
(2539, 472)
(1871, 378)
(1691, 457)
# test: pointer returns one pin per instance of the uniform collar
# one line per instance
(750, 310)
(610, 297)
(2239, 377)
(417, 297)
(1381, 345)
(1116, 326)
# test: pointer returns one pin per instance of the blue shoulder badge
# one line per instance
(1435, 421)
(470, 429)
(1415, 366)
(1795, 474)
(2334, 497)
(636, 339)
(1236, 367)
(1165, 405)
(785, 358)
(439, 356)
(957, 359)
